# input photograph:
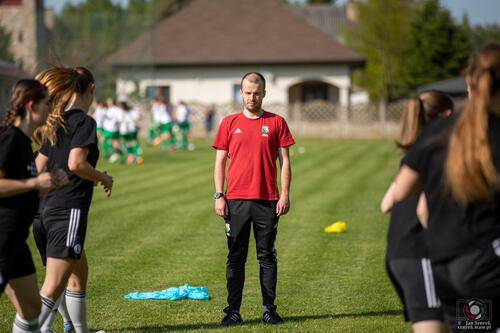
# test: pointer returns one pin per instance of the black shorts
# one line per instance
(15, 255)
(470, 279)
(414, 283)
(60, 232)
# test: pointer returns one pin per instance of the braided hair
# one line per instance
(22, 92)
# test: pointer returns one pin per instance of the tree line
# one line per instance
(406, 43)
(410, 43)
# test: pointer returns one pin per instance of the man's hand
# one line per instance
(283, 205)
(221, 208)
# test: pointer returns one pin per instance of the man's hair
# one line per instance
(251, 77)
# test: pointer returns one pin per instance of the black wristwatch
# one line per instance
(218, 195)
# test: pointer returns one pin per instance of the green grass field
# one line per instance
(159, 230)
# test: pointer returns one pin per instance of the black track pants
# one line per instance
(265, 225)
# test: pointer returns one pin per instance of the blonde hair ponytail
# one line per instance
(61, 83)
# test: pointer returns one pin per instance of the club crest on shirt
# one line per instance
(265, 130)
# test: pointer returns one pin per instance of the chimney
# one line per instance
(351, 11)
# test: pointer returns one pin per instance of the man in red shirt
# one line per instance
(252, 139)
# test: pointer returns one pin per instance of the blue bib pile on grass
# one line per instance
(173, 293)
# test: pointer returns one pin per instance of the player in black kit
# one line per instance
(456, 162)
(69, 141)
(20, 187)
(407, 258)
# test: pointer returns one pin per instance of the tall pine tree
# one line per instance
(438, 47)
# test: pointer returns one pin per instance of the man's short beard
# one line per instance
(254, 108)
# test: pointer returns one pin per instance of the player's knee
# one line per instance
(77, 283)
(267, 258)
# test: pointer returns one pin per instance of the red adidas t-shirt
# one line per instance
(252, 146)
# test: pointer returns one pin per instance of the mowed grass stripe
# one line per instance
(327, 283)
(328, 249)
(330, 175)
(162, 189)
(327, 213)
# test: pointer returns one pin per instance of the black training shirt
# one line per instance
(16, 158)
(79, 131)
(453, 230)
(406, 237)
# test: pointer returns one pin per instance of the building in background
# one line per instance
(25, 21)
(200, 54)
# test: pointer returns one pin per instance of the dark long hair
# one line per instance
(419, 111)
(22, 92)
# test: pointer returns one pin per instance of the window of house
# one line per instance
(236, 93)
(20, 37)
(158, 91)
(314, 91)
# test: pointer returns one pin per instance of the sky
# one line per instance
(480, 12)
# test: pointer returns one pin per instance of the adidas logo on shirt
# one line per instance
(238, 131)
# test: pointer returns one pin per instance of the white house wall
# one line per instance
(215, 84)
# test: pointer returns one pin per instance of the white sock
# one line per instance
(47, 307)
(77, 309)
(47, 324)
(24, 326)
(63, 310)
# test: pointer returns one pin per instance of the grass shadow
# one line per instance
(183, 327)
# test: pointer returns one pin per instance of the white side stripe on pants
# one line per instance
(430, 290)
(74, 221)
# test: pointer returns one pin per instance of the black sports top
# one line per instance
(406, 237)
(16, 158)
(79, 131)
(453, 230)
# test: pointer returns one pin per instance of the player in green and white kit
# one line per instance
(111, 131)
(154, 130)
(128, 133)
(165, 121)
(182, 121)
(98, 115)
